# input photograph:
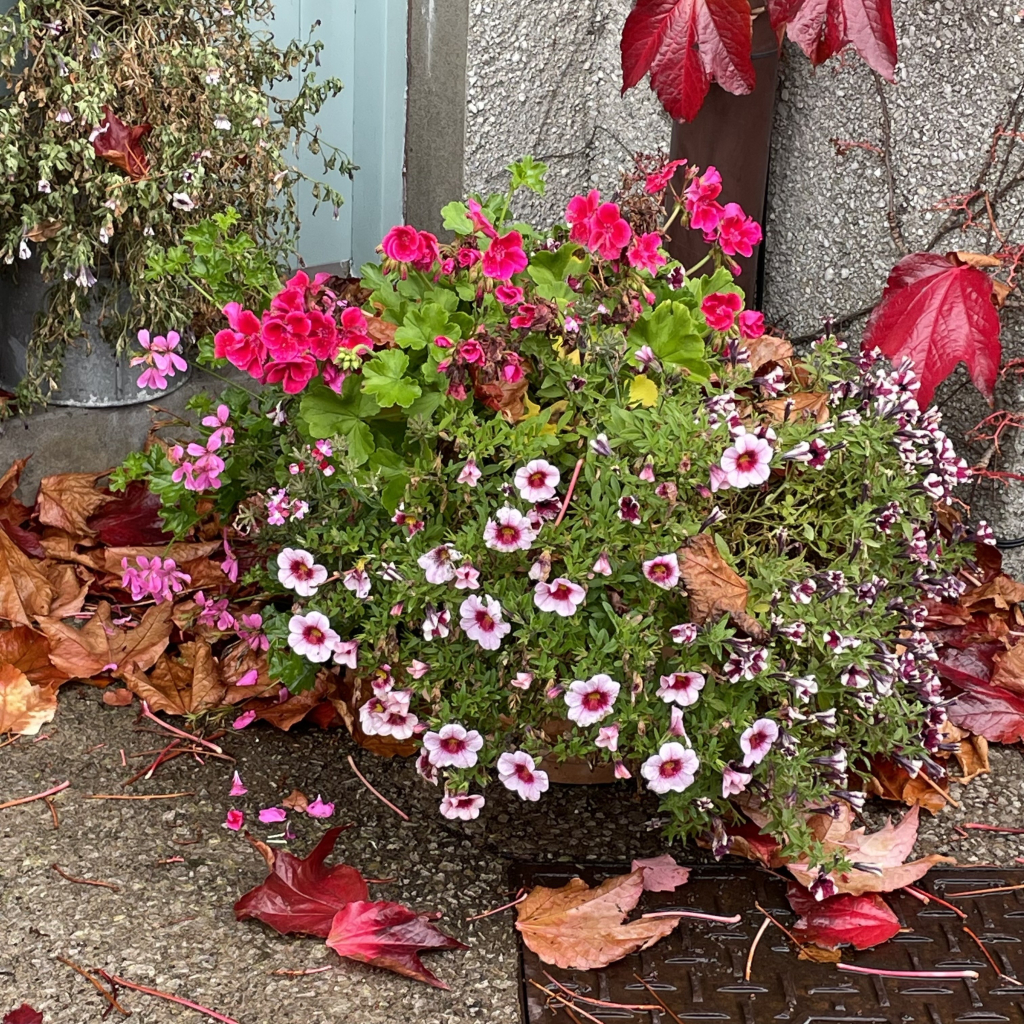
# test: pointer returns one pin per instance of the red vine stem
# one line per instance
(854, 969)
(146, 713)
(38, 796)
(124, 983)
(568, 493)
(380, 797)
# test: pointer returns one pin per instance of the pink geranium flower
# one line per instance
(757, 741)
(402, 243)
(470, 474)
(578, 215)
(738, 233)
(292, 374)
(609, 232)
(681, 688)
(561, 596)
(645, 253)
(467, 578)
(235, 820)
(751, 324)
(462, 806)
(509, 530)
(242, 342)
(537, 480)
(519, 773)
(671, 770)
(663, 571)
(481, 621)
(437, 563)
(747, 462)
(505, 256)
(311, 636)
(298, 571)
(480, 221)
(658, 181)
(700, 201)
(237, 788)
(720, 310)
(272, 815)
(733, 782)
(319, 809)
(591, 700)
(508, 295)
(453, 746)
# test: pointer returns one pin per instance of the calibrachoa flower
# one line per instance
(346, 652)
(298, 571)
(453, 746)
(462, 806)
(358, 581)
(561, 596)
(467, 578)
(591, 700)
(733, 782)
(681, 688)
(663, 571)
(522, 680)
(436, 623)
(481, 621)
(671, 769)
(519, 772)
(470, 475)
(608, 737)
(684, 633)
(537, 480)
(602, 566)
(509, 530)
(757, 740)
(746, 463)
(437, 563)
(311, 636)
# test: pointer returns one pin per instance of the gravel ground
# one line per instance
(171, 925)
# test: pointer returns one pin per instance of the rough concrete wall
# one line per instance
(829, 243)
(543, 78)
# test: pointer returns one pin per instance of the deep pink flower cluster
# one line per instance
(204, 472)
(160, 360)
(728, 225)
(297, 338)
(158, 578)
(599, 226)
(404, 244)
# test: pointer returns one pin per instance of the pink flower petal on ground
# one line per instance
(234, 820)
(272, 815)
(237, 789)
(244, 719)
(318, 809)
(249, 679)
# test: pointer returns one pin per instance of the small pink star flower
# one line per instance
(319, 809)
(537, 480)
(237, 788)
(470, 474)
(663, 571)
(733, 782)
(519, 772)
(453, 746)
(311, 636)
(681, 688)
(509, 530)
(358, 581)
(602, 566)
(346, 652)
(467, 578)
(437, 563)
(747, 462)
(244, 719)
(235, 820)
(591, 700)
(757, 741)
(608, 737)
(298, 571)
(272, 815)
(462, 806)
(481, 621)
(560, 596)
(671, 769)
(436, 623)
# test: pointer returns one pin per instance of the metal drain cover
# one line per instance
(698, 970)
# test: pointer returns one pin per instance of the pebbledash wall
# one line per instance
(542, 77)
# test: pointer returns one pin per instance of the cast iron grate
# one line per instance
(698, 970)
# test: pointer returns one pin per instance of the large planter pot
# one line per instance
(734, 134)
(94, 376)
(574, 771)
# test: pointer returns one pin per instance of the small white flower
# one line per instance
(358, 581)
(591, 700)
(436, 623)
(222, 123)
(602, 566)
(44, 186)
(182, 201)
(24, 252)
(346, 652)
(298, 571)
(462, 806)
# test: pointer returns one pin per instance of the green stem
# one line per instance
(675, 213)
(233, 383)
(697, 266)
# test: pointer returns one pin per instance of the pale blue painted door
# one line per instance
(364, 46)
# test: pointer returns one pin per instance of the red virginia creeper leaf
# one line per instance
(303, 895)
(121, 144)
(990, 711)
(131, 520)
(685, 45)
(938, 312)
(24, 1014)
(859, 921)
(388, 935)
(821, 28)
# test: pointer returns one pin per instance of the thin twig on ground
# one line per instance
(124, 983)
(36, 796)
(497, 910)
(383, 799)
(895, 227)
(988, 957)
(564, 1001)
(146, 713)
(600, 1002)
(854, 969)
(110, 998)
(48, 800)
(995, 828)
(136, 796)
(654, 995)
(303, 972)
(753, 948)
(984, 892)
(84, 881)
(928, 897)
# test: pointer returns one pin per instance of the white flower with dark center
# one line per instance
(453, 746)
(297, 570)
(182, 201)
(44, 186)
(358, 581)
(436, 623)
(803, 593)
(509, 530)
(462, 806)
(24, 251)
(591, 700)
(311, 636)
(757, 741)
(481, 621)
(747, 463)
(561, 596)
(855, 677)
(681, 688)
(437, 563)
(537, 480)
(671, 769)
(519, 772)
(684, 633)
(222, 123)
(663, 571)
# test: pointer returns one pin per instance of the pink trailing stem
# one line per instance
(995, 828)
(383, 799)
(568, 493)
(927, 897)
(854, 969)
(37, 796)
(124, 983)
(735, 919)
(498, 910)
(146, 713)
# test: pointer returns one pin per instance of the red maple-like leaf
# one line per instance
(859, 921)
(121, 144)
(132, 520)
(990, 711)
(938, 311)
(303, 895)
(821, 28)
(685, 45)
(389, 935)
(24, 1014)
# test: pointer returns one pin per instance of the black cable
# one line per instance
(1005, 545)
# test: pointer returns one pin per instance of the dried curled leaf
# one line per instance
(182, 685)
(121, 144)
(714, 587)
(25, 593)
(24, 708)
(66, 501)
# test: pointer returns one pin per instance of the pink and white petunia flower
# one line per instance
(436, 623)
(470, 476)
(437, 563)
(509, 530)
(537, 480)
(733, 782)
(676, 726)
(397, 721)
(747, 463)
(346, 652)
(417, 669)
(467, 578)
(371, 715)
(663, 571)
(424, 769)
(602, 566)
(681, 688)
(462, 806)
(481, 621)
(671, 769)
(358, 581)
(519, 772)
(560, 596)
(453, 746)
(522, 680)
(684, 633)
(757, 741)
(591, 700)
(608, 737)
(298, 571)
(311, 636)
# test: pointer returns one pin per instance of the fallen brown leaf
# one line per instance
(767, 349)
(979, 259)
(70, 587)
(804, 405)
(66, 501)
(713, 586)
(891, 781)
(1002, 591)
(971, 755)
(1009, 669)
(24, 708)
(181, 685)
(577, 927)
(25, 593)
(29, 652)
(118, 698)
(296, 800)
(294, 710)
